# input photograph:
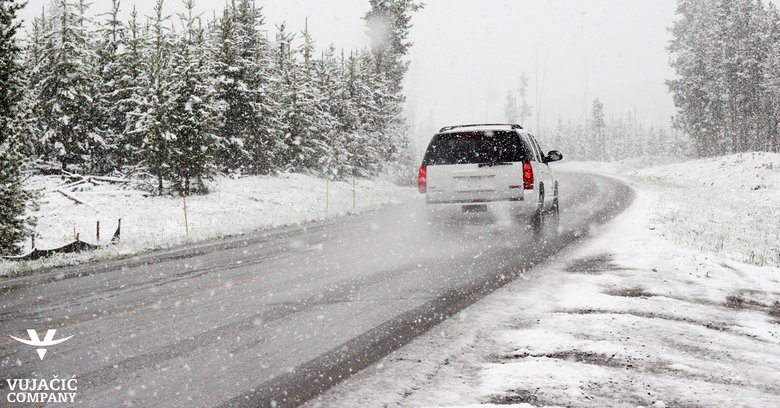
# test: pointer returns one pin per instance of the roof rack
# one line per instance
(448, 128)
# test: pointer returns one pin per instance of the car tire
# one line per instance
(555, 212)
(538, 219)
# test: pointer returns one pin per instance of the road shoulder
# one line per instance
(153, 226)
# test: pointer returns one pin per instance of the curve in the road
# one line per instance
(316, 376)
(280, 316)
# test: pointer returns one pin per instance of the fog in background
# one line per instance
(468, 54)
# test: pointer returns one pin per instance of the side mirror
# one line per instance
(554, 156)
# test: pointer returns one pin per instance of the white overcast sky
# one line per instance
(467, 53)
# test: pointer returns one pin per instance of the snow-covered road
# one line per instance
(279, 315)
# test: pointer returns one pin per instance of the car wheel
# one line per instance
(539, 216)
(555, 212)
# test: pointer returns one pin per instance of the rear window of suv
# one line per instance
(474, 148)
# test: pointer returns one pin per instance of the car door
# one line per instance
(548, 173)
(543, 171)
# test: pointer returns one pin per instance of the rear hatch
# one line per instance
(474, 167)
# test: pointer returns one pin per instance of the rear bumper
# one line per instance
(464, 207)
(465, 197)
(477, 201)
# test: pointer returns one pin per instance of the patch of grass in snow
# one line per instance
(735, 301)
(717, 326)
(518, 396)
(577, 356)
(755, 300)
(775, 310)
(593, 265)
(635, 292)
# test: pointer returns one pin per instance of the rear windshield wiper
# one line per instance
(491, 164)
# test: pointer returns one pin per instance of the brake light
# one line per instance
(422, 180)
(528, 176)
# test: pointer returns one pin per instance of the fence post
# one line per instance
(32, 240)
(97, 231)
(186, 220)
(354, 192)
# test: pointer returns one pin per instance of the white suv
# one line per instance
(477, 168)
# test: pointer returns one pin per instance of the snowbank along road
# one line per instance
(277, 317)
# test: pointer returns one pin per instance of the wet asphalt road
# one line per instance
(276, 316)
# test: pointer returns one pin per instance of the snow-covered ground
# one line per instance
(656, 310)
(235, 206)
(727, 205)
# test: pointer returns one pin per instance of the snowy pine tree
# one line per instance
(110, 116)
(256, 50)
(232, 69)
(242, 69)
(195, 113)
(67, 92)
(388, 119)
(130, 83)
(9, 67)
(318, 124)
(305, 121)
(33, 62)
(388, 24)
(14, 200)
(285, 146)
(330, 83)
(152, 118)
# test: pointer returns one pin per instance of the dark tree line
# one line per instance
(726, 54)
(180, 98)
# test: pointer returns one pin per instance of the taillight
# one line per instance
(528, 176)
(422, 180)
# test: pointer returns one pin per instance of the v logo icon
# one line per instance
(35, 341)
